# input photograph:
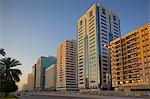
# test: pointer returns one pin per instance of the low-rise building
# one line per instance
(41, 65)
(30, 82)
(50, 78)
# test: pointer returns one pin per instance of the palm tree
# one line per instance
(8, 72)
(9, 75)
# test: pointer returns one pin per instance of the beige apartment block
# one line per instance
(67, 66)
(50, 78)
(130, 60)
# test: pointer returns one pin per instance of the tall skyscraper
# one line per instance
(67, 66)
(130, 60)
(96, 28)
(41, 65)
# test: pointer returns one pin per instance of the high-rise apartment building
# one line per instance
(67, 66)
(50, 77)
(96, 28)
(41, 65)
(130, 60)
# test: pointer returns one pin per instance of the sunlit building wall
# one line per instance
(130, 60)
(67, 66)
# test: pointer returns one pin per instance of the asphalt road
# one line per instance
(75, 97)
(53, 97)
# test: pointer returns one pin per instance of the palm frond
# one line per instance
(14, 63)
(2, 52)
(15, 77)
(17, 71)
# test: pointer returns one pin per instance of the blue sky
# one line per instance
(31, 28)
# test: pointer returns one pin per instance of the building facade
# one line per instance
(41, 65)
(30, 82)
(50, 78)
(67, 66)
(34, 75)
(25, 87)
(96, 28)
(130, 60)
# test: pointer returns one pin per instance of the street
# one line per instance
(77, 97)
(52, 97)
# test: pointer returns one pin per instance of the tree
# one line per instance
(8, 87)
(8, 74)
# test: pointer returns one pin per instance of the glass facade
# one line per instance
(97, 30)
(41, 65)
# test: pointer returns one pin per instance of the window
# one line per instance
(104, 30)
(92, 46)
(103, 20)
(80, 22)
(104, 41)
(116, 33)
(104, 49)
(115, 30)
(91, 32)
(103, 11)
(105, 53)
(103, 23)
(90, 14)
(104, 38)
(114, 18)
(92, 39)
(93, 57)
(92, 54)
(92, 50)
(104, 27)
(104, 34)
(92, 35)
(81, 83)
(80, 79)
(115, 36)
(92, 42)
(92, 81)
